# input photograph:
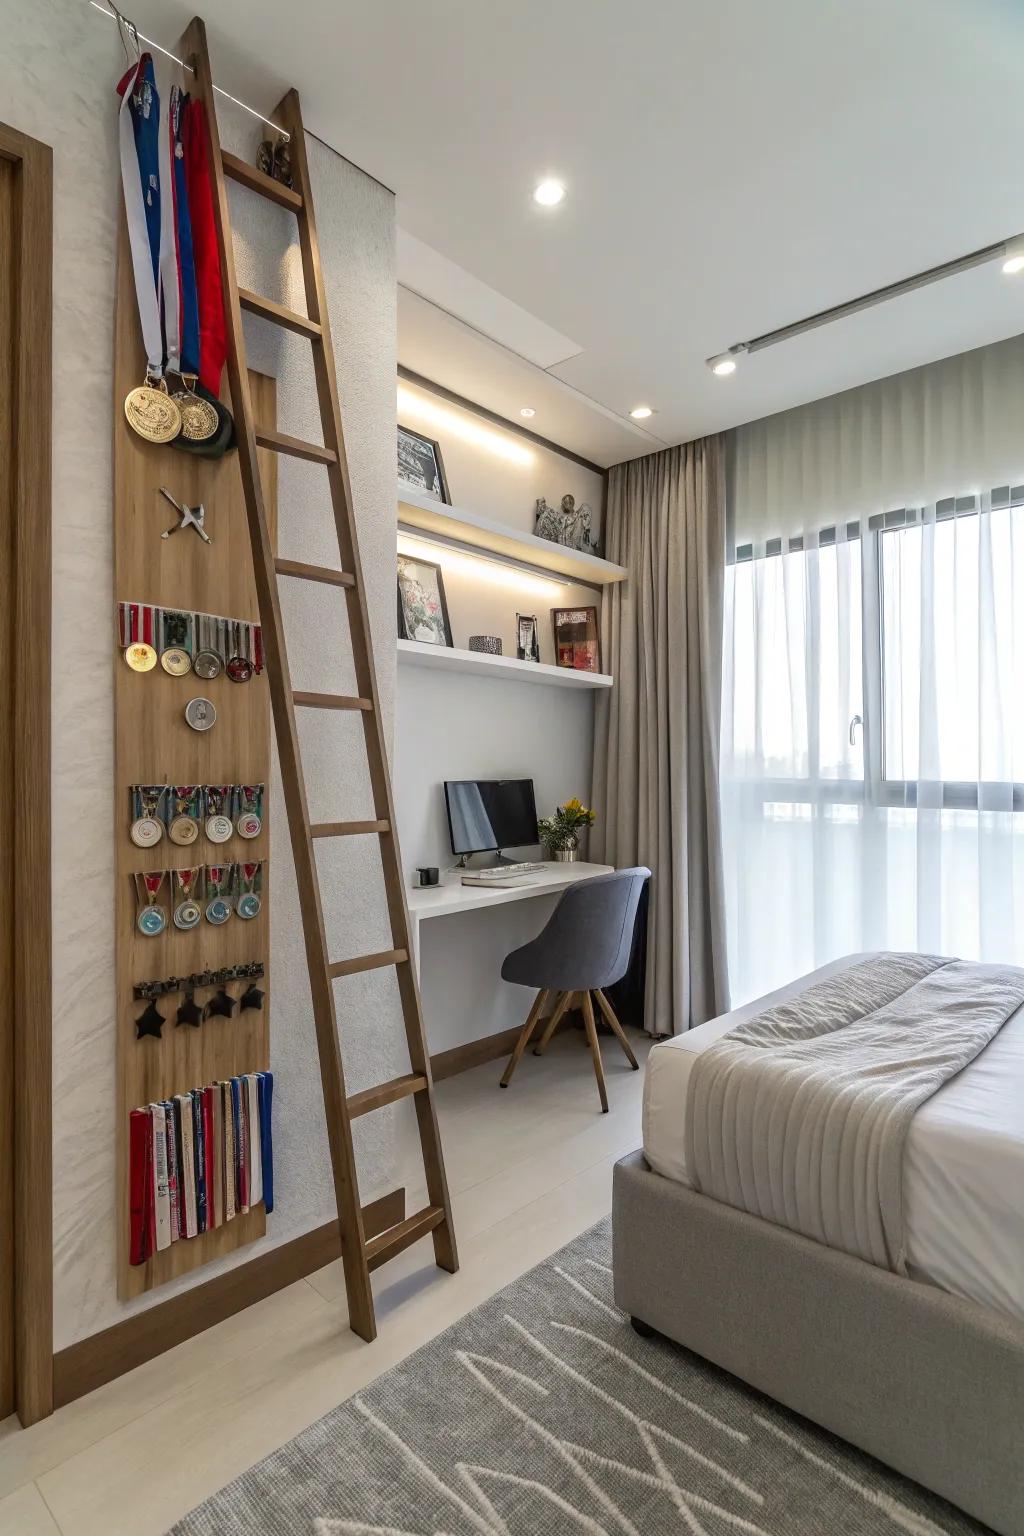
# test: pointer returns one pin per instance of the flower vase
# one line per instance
(568, 854)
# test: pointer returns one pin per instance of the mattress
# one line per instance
(963, 1173)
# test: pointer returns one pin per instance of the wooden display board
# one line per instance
(154, 745)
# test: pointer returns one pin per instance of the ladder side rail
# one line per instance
(360, 1298)
(445, 1251)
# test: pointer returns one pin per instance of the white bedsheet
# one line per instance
(963, 1178)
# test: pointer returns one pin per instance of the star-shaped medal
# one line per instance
(252, 997)
(189, 1012)
(149, 1022)
(222, 1003)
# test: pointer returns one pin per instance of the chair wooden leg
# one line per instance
(564, 1003)
(595, 1050)
(616, 1028)
(524, 1036)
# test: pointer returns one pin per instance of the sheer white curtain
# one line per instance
(872, 762)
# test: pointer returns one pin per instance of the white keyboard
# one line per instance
(501, 871)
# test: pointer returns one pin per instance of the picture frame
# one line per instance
(577, 638)
(527, 637)
(420, 465)
(422, 605)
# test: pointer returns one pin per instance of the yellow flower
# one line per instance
(573, 805)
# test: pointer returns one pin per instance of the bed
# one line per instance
(923, 1370)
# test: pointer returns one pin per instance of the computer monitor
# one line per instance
(489, 814)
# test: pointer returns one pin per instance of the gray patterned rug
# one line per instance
(542, 1413)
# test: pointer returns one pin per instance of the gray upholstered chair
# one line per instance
(583, 948)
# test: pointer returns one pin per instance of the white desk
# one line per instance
(452, 898)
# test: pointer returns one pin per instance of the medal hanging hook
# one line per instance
(127, 30)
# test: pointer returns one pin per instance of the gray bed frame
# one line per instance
(930, 1384)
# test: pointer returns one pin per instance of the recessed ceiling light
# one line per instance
(1014, 253)
(722, 365)
(527, 410)
(548, 192)
(641, 412)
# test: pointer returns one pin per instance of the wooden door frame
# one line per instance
(26, 1196)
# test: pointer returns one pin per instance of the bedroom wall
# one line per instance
(356, 219)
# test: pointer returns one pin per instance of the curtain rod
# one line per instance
(113, 15)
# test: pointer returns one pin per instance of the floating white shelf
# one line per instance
(414, 653)
(455, 524)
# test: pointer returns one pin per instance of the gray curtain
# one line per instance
(656, 731)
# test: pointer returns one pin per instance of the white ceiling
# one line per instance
(732, 165)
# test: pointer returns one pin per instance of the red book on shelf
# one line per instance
(140, 1186)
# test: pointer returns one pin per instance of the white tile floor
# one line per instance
(528, 1168)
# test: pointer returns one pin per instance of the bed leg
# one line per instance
(643, 1329)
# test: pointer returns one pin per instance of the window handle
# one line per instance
(857, 720)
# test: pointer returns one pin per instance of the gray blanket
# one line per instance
(801, 1115)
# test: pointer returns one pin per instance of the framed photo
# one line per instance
(527, 639)
(577, 642)
(420, 464)
(422, 608)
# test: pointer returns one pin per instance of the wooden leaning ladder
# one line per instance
(359, 1256)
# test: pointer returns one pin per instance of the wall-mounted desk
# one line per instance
(466, 1004)
(451, 898)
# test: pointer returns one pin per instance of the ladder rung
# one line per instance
(397, 1239)
(368, 962)
(385, 1093)
(294, 447)
(305, 572)
(250, 176)
(347, 828)
(330, 701)
(256, 304)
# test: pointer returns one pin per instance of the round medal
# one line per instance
(152, 413)
(218, 829)
(187, 914)
(239, 669)
(140, 656)
(152, 921)
(146, 831)
(218, 911)
(183, 830)
(249, 825)
(176, 661)
(207, 664)
(200, 714)
(248, 905)
(199, 420)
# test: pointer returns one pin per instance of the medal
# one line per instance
(239, 666)
(199, 420)
(218, 880)
(219, 828)
(250, 882)
(200, 714)
(152, 918)
(207, 662)
(250, 820)
(176, 661)
(187, 911)
(184, 829)
(137, 632)
(174, 639)
(140, 656)
(147, 826)
(150, 411)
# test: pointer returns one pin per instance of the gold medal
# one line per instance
(183, 831)
(140, 656)
(199, 420)
(152, 413)
(176, 661)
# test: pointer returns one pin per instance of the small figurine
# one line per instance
(568, 525)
